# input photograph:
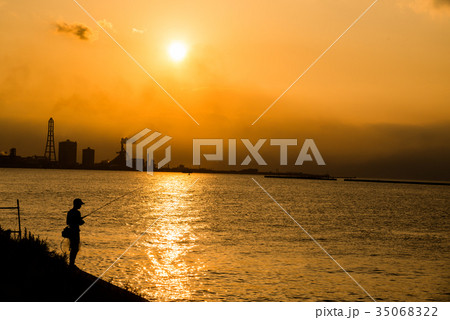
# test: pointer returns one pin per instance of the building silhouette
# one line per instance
(88, 158)
(67, 155)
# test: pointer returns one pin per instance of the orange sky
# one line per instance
(379, 97)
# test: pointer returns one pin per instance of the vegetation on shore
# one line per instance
(30, 271)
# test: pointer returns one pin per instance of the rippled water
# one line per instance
(224, 239)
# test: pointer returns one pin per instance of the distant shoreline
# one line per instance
(268, 174)
(432, 183)
(179, 169)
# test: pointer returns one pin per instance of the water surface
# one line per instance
(224, 239)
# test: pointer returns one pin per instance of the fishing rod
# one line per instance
(107, 204)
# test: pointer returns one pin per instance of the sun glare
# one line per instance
(177, 51)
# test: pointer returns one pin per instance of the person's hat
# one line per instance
(77, 201)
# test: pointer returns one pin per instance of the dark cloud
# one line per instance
(439, 3)
(399, 151)
(79, 30)
(433, 7)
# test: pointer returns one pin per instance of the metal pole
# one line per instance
(18, 216)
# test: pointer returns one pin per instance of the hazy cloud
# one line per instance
(79, 30)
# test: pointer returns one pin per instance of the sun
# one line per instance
(177, 51)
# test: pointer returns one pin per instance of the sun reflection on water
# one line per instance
(166, 275)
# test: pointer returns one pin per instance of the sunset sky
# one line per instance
(377, 104)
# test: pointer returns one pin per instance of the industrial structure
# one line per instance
(67, 156)
(120, 161)
(50, 153)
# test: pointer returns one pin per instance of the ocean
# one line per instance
(220, 237)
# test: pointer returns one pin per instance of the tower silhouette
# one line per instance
(50, 153)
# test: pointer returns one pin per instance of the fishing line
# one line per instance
(107, 204)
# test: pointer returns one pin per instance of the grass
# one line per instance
(30, 271)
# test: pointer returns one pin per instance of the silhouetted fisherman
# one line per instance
(74, 221)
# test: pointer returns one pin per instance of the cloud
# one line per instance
(105, 24)
(432, 7)
(134, 30)
(439, 3)
(79, 30)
